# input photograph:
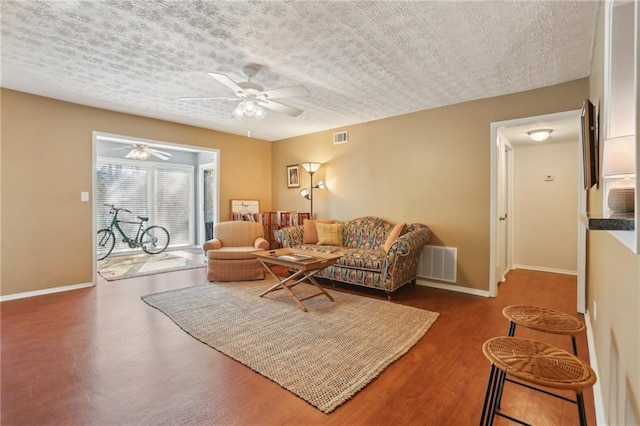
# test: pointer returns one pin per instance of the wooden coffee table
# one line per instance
(305, 264)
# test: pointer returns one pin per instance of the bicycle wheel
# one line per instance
(154, 239)
(106, 240)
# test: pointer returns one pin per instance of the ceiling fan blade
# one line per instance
(153, 150)
(157, 154)
(227, 82)
(278, 107)
(223, 98)
(285, 92)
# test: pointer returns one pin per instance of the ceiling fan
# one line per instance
(252, 96)
(143, 152)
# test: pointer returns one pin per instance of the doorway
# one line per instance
(502, 190)
(183, 157)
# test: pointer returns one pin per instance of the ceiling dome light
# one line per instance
(539, 135)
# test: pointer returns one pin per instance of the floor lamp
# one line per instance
(311, 168)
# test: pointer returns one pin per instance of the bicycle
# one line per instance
(152, 240)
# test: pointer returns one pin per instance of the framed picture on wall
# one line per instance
(293, 176)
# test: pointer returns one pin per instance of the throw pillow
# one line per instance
(310, 232)
(329, 234)
(397, 231)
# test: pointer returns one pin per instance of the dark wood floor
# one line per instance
(102, 356)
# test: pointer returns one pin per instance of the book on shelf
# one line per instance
(285, 218)
(247, 217)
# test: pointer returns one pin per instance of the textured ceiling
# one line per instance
(360, 60)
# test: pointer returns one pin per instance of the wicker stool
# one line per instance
(533, 363)
(545, 320)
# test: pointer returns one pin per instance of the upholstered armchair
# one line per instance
(230, 252)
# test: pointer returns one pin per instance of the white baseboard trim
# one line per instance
(451, 287)
(44, 291)
(543, 269)
(597, 390)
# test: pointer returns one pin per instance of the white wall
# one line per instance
(545, 212)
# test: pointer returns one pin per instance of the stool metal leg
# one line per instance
(575, 347)
(581, 412)
(489, 397)
(502, 375)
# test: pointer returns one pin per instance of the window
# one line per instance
(163, 193)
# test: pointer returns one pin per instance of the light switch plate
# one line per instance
(84, 196)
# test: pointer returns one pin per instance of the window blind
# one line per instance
(173, 196)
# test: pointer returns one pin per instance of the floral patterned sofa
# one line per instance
(372, 254)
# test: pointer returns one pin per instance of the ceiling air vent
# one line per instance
(340, 137)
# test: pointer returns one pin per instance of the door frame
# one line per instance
(493, 208)
(98, 136)
(200, 191)
(505, 253)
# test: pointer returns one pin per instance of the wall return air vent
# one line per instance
(340, 137)
(438, 263)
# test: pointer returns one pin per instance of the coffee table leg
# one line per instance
(269, 270)
(282, 284)
(315, 283)
(296, 278)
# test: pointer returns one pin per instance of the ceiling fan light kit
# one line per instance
(138, 154)
(254, 100)
(144, 152)
(249, 108)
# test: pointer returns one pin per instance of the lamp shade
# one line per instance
(619, 156)
(311, 167)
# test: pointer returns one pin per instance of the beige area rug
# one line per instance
(121, 267)
(324, 356)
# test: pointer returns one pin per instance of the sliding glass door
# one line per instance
(161, 192)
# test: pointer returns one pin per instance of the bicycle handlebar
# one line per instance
(116, 209)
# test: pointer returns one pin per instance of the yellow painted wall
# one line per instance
(47, 161)
(613, 282)
(432, 167)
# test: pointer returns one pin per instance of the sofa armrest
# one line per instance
(214, 244)
(261, 243)
(416, 237)
(401, 262)
(291, 236)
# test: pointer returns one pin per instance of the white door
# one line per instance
(505, 158)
